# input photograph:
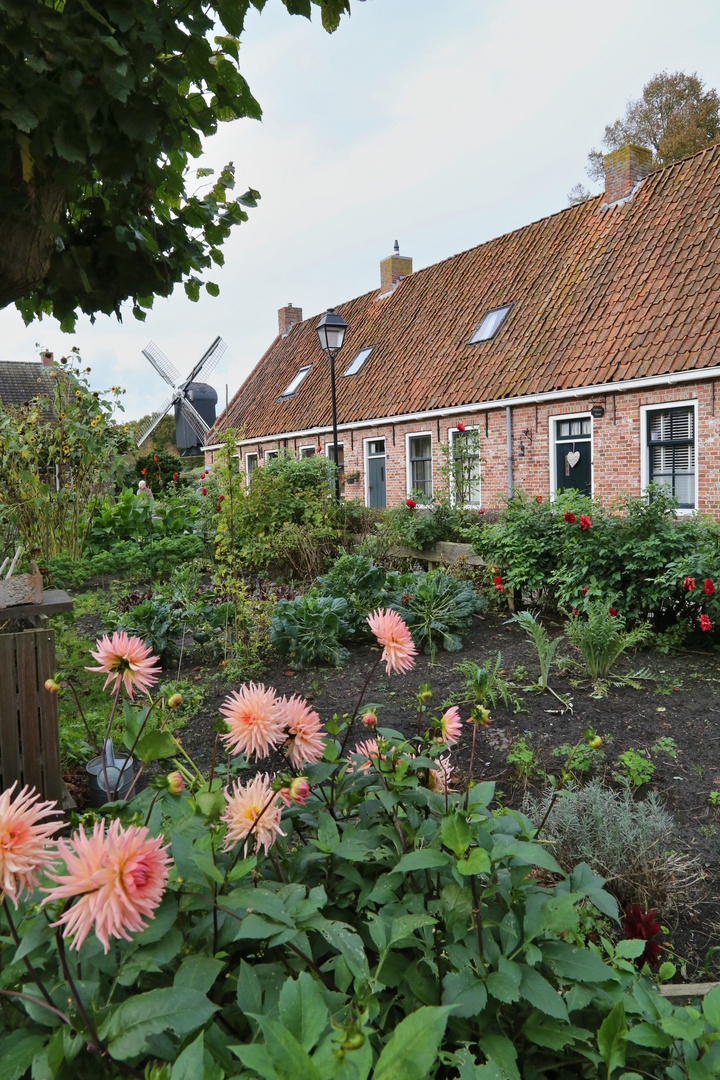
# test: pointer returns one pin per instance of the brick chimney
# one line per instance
(392, 269)
(47, 358)
(624, 167)
(287, 317)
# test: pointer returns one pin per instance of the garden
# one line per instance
(332, 815)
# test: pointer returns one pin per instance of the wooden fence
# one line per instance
(29, 741)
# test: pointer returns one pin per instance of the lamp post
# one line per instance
(331, 333)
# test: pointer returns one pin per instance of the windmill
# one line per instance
(194, 402)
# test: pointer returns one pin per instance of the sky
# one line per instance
(439, 123)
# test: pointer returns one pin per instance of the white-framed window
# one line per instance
(571, 453)
(251, 464)
(270, 454)
(330, 453)
(465, 466)
(292, 387)
(489, 325)
(669, 450)
(306, 452)
(418, 455)
(358, 361)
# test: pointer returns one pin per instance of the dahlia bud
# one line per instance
(369, 719)
(595, 743)
(175, 783)
(479, 715)
(299, 789)
(174, 701)
(51, 686)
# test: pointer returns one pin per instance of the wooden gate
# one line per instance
(29, 740)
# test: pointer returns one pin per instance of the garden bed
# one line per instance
(681, 702)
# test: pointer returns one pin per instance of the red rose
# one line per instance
(411, 503)
(318, 449)
(569, 517)
(221, 497)
(497, 580)
(612, 611)
(155, 457)
(585, 521)
(705, 623)
(218, 508)
(175, 475)
(461, 427)
(575, 611)
(689, 583)
(481, 511)
(538, 498)
(708, 587)
(204, 491)
(585, 590)
(144, 472)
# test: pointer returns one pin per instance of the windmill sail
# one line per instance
(164, 367)
(193, 418)
(149, 427)
(191, 424)
(208, 361)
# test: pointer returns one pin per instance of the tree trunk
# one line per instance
(28, 238)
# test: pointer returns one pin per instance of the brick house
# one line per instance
(582, 348)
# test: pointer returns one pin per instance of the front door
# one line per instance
(376, 474)
(573, 455)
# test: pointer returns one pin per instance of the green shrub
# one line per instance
(155, 620)
(309, 630)
(600, 635)
(629, 843)
(356, 579)
(436, 606)
(158, 557)
(636, 768)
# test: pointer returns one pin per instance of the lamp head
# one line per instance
(331, 331)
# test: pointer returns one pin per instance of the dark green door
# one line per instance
(573, 455)
(376, 474)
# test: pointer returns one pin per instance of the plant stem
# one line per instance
(472, 762)
(98, 1045)
(478, 919)
(107, 736)
(357, 707)
(132, 749)
(90, 734)
(30, 969)
(212, 765)
(37, 1001)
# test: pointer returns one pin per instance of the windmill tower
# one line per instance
(193, 402)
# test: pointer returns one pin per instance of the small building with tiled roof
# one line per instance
(583, 348)
(21, 380)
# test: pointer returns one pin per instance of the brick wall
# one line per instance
(618, 441)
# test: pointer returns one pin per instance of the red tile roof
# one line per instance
(598, 296)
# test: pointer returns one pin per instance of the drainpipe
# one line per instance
(508, 420)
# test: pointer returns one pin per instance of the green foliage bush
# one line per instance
(637, 548)
(130, 516)
(436, 606)
(159, 557)
(163, 475)
(392, 933)
(359, 581)
(309, 629)
(601, 637)
(156, 620)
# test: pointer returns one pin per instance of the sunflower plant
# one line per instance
(342, 914)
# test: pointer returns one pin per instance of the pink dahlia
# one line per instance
(451, 725)
(305, 744)
(297, 792)
(118, 878)
(399, 649)
(128, 659)
(440, 779)
(256, 718)
(252, 808)
(369, 719)
(369, 752)
(23, 839)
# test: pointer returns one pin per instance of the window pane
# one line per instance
(489, 324)
(377, 447)
(564, 429)
(421, 465)
(355, 365)
(420, 447)
(685, 488)
(292, 387)
(466, 467)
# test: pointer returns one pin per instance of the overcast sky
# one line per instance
(439, 123)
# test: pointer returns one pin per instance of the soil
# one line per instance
(681, 701)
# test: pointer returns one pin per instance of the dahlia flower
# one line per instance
(399, 649)
(297, 792)
(305, 743)
(128, 659)
(256, 718)
(250, 808)
(585, 521)
(23, 839)
(451, 725)
(369, 719)
(642, 925)
(439, 779)
(118, 878)
(569, 517)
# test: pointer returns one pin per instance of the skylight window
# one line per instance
(291, 389)
(358, 362)
(490, 324)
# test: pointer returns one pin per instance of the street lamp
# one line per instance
(331, 333)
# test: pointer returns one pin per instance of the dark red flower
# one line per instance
(498, 583)
(538, 498)
(318, 449)
(708, 587)
(144, 472)
(175, 475)
(585, 590)
(204, 491)
(642, 927)
(221, 497)
(481, 511)
(575, 611)
(705, 623)
(411, 503)
(689, 583)
(155, 457)
(218, 508)
(569, 517)
(612, 611)
(585, 521)
(461, 427)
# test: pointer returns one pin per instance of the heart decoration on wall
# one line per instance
(572, 458)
